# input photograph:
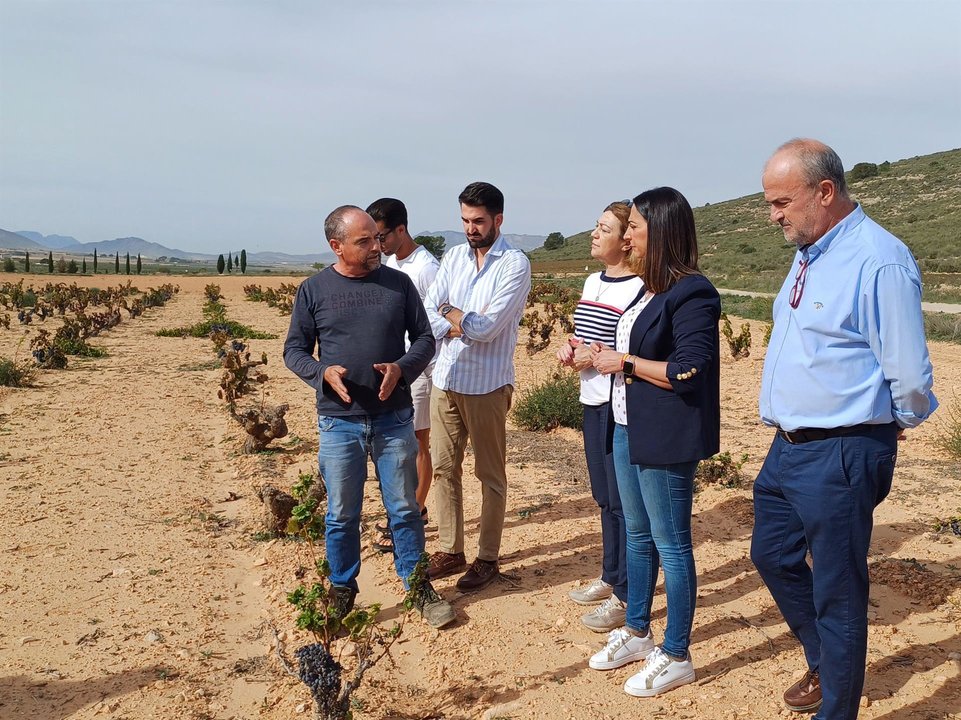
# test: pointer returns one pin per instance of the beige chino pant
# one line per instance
(454, 418)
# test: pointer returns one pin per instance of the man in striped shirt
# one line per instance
(475, 305)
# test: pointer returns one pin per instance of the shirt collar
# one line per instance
(849, 221)
(499, 247)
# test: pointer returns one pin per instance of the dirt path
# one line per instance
(133, 585)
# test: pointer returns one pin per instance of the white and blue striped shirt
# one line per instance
(493, 300)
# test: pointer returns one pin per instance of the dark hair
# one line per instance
(671, 238)
(334, 225)
(390, 211)
(818, 162)
(485, 195)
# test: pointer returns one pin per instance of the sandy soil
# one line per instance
(132, 585)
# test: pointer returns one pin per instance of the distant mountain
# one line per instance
(456, 237)
(16, 241)
(52, 242)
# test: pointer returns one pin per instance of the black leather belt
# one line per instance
(805, 435)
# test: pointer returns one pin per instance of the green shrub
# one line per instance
(950, 425)
(550, 404)
(721, 470)
(740, 344)
(943, 326)
(15, 374)
(8, 265)
(861, 171)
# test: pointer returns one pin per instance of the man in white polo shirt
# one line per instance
(421, 267)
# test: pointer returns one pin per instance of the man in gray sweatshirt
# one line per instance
(357, 315)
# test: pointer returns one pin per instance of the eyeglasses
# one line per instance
(798, 290)
(380, 237)
(628, 202)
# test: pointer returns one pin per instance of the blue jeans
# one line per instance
(657, 503)
(345, 444)
(600, 468)
(819, 497)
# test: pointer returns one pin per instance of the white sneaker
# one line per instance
(605, 617)
(659, 674)
(622, 647)
(596, 592)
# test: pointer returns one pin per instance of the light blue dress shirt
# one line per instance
(854, 349)
(493, 300)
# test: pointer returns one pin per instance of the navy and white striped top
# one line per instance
(595, 320)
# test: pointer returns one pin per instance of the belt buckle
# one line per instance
(786, 436)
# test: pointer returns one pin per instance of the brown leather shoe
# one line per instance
(805, 694)
(480, 575)
(442, 564)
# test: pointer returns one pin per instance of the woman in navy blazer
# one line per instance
(666, 407)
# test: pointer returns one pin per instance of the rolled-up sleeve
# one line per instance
(439, 293)
(893, 323)
(506, 305)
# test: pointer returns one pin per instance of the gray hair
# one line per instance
(335, 226)
(818, 162)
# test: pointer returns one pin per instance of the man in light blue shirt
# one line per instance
(846, 371)
(475, 305)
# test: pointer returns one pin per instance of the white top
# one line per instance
(624, 327)
(421, 267)
(493, 300)
(595, 319)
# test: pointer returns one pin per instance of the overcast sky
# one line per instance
(209, 126)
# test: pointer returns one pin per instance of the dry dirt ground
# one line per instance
(132, 585)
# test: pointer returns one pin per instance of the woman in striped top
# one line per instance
(605, 296)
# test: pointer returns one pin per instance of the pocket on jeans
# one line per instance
(885, 476)
(325, 423)
(404, 416)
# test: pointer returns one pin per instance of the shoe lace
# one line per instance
(610, 604)
(426, 595)
(616, 639)
(656, 663)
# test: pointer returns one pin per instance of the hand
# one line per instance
(901, 435)
(582, 357)
(391, 373)
(605, 360)
(334, 376)
(454, 332)
(565, 356)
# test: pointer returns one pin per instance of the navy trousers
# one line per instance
(598, 431)
(819, 498)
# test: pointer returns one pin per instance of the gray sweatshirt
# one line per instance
(356, 322)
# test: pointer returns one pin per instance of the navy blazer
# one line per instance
(683, 424)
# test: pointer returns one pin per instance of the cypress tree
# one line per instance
(26, 262)
(230, 263)
(139, 264)
(127, 266)
(83, 266)
(95, 261)
(243, 261)
(50, 262)
(116, 263)
(221, 264)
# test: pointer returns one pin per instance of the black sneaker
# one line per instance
(342, 600)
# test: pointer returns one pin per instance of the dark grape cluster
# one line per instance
(320, 672)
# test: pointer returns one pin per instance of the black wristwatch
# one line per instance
(445, 309)
(628, 366)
